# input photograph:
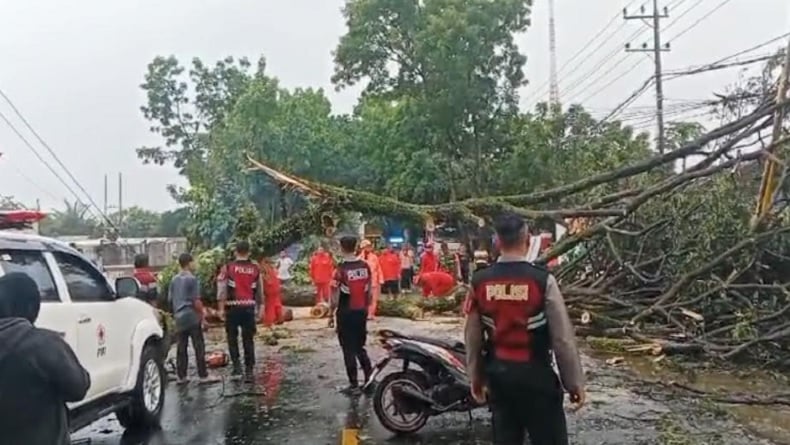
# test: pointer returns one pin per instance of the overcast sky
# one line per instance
(74, 69)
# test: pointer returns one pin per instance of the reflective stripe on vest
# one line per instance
(534, 322)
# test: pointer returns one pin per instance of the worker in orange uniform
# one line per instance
(147, 279)
(546, 241)
(390, 270)
(377, 277)
(322, 266)
(272, 296)
(429, 262)
(436, 284)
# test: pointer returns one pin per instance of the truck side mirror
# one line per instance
(127, 287)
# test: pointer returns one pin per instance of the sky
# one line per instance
(73, 70)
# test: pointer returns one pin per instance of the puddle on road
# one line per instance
(771, 422)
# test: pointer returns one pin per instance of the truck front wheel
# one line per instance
(148, 396)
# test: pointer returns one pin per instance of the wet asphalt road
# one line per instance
(294, 400)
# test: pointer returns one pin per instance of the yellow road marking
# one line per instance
(349, 437)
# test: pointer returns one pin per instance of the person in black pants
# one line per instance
(349, 305)
(184, 295)
(407, 267)
(239, 305)
(465, 263)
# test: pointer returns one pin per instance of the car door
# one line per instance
(103, 334)
(55, 314)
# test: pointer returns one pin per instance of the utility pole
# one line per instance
(120, 200)
(657, 49)
(554, 89)
(105, 193)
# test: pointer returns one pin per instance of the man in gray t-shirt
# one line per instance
(184, 295)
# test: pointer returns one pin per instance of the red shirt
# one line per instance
(390, 265)
(148, 283)
(429, 262)
(353, 279)
(242, 280)
(437, 284)
(321, 267)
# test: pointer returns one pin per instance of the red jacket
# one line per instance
(436, 284)
(390, 265)
(429, 262)
(322, 267)
(148, 283)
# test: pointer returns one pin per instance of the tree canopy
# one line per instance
(438, 120)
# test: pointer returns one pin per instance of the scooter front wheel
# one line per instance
(395, 414)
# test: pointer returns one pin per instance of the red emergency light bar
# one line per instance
(20, 219)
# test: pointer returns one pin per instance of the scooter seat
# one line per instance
(452, 346)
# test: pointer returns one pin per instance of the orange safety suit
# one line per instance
(272, 296)
(429, 262)
(390, 265)
(376, 280)
(545, 244)
(322, 267)
(436, 284)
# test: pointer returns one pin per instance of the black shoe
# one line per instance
(236, 373)
(249, 375)
(369, 388)
(351, 390)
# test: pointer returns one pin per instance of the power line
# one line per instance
(53, 154)
(581, 51)
(41, 158)
(579, 80)
(694, 25)
(758, 46)
(30, 180)
(720, 66)
(582, 79)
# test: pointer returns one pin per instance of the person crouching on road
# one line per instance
(188, 314)
(39, 372)
(518, 308)
(239, 303)
(436, 284)
(351, 297)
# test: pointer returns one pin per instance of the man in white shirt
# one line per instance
(284, 264)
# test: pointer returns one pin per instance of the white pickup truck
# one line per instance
(116, 336)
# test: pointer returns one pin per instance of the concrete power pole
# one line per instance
(657, 49)
(120, 200)
(105, 193)
(554, 89)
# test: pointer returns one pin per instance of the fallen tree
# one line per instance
(676, 261)
(672, 259)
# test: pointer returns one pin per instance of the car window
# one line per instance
(32, 264)
(84, 282)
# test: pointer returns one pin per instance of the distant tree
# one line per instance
(9, 203)
(73, 220)
(173, 223)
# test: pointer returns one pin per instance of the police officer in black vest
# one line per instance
(516, 317)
